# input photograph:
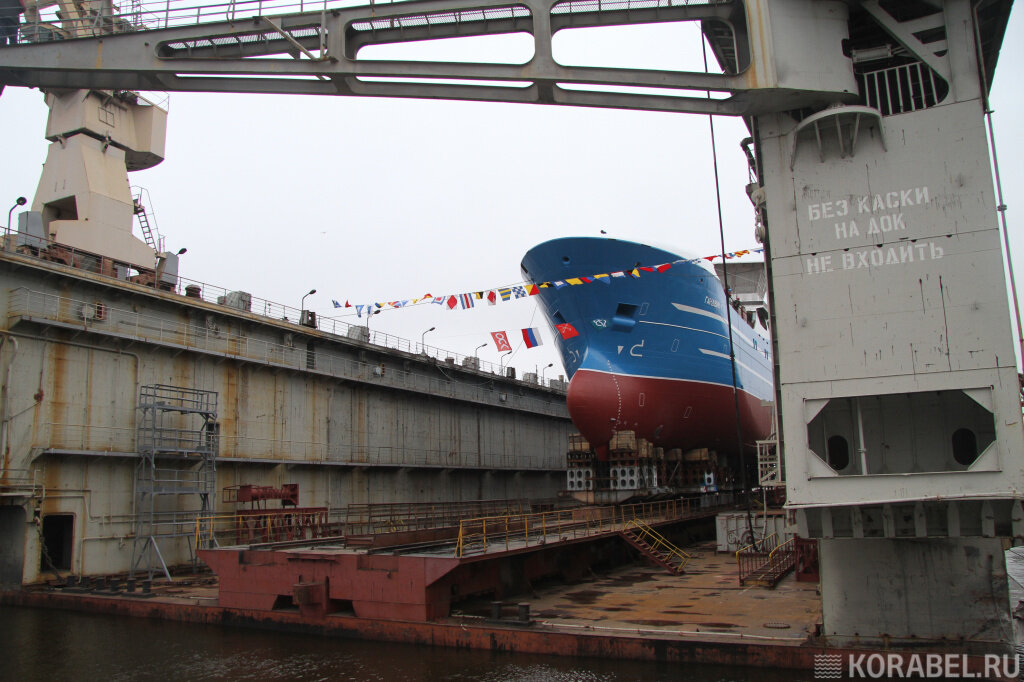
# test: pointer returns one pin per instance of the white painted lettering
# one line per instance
(854, 232)
(878, 205)
(906, 253)
(921, 194)
(862, 205)
(847, 261)
(890, 257)
(915, 667)
(842, 207)
(905, 199)
(814, 211)
(841, 232)
(895, 665)
(877, 257)
(885, 222)
(826, 210)
(934, 665)
(892, 199)
(897, 222)
(819, 264)
(936, 251)
(873, 226)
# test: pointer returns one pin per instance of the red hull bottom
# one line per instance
(669, 413)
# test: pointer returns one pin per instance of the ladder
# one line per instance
(147, 231)
(655, 546)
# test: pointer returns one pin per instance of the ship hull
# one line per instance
(645, 338)
(675, 414)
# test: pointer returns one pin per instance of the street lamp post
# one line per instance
(476, 351)
(20, 201)
(550, 364)
(501, 361)
(423, 336)
(302, 306)
(368, 316)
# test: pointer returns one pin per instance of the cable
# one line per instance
(728, 313)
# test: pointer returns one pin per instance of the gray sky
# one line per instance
(378, 199)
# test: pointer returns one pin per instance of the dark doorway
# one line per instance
(58, 533)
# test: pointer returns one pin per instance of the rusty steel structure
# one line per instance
(291, 401)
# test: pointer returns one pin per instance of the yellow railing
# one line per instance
(658, 543)
(517, 531)
(769, 560)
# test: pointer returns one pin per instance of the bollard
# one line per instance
(524, 612)
(129, 585)
(147, 585)
(495, 610)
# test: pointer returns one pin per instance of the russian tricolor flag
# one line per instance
(531, 337)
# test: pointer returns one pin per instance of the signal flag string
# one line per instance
(525, 289)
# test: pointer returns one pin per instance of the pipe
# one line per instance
(861, 450)
(6, 406)
(1001, 205)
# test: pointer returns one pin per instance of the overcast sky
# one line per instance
(379, 199)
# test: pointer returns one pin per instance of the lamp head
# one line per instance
(21, 201)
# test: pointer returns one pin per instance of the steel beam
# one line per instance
(244, 55)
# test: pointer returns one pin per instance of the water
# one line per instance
(38, 644)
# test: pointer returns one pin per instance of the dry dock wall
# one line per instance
(348, 421)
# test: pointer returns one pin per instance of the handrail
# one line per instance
(478, 535)
(658, 542)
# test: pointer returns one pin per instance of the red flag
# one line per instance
(567, 330)
(663, 267)
(532, 289)
(501, 341)
(452, 302)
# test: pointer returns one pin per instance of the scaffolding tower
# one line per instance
(176, 438)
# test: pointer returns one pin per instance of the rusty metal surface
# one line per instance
(346, 435)
(705, 602)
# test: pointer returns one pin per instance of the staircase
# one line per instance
(767, 562)
(655, 546)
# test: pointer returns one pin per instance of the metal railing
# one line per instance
(518, 531)
(21, 482)
(902, 89)
(658, 544)
(259, 526)
(247, 526)
(209, 338)
(49, 251)
(765, 562)
(751, 558)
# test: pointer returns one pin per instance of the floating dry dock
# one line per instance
(538, 595)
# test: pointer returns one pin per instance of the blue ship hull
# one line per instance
(647, 347)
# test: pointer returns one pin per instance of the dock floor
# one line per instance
(706, 603)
